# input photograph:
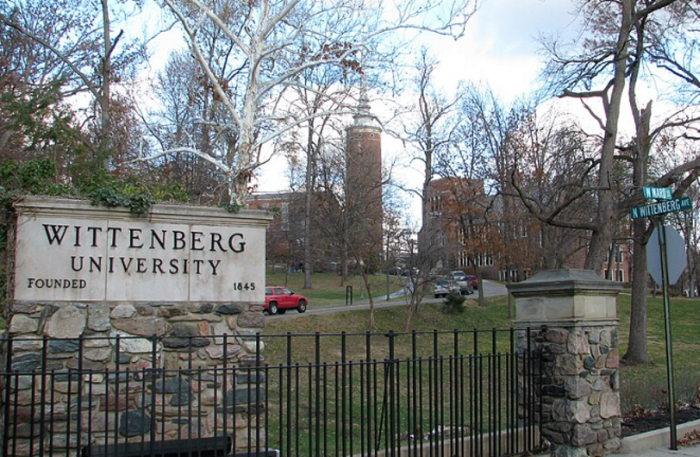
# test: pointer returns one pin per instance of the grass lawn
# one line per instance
(326, 289)
(645, 385)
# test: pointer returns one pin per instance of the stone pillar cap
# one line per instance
(566, 281)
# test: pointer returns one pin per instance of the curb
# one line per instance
(655, 438)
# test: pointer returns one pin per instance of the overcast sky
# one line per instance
(501, 45)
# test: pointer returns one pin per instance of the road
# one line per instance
(491, 289)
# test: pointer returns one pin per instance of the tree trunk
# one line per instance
(689, 255)
(607, 218)
(105, 93)
(308, 207)
(365, 279)
(637, 348)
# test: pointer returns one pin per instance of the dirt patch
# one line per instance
(640, 420)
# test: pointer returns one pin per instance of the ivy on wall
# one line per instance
(100, 186)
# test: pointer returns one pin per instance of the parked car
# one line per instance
(280, 299)
(443, 288)
(457, 275)
(465, 287)
(473, 280)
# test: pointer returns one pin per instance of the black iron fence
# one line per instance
(454, 393)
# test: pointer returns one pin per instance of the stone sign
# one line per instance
(68, 250)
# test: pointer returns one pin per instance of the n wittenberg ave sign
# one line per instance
(654, 209)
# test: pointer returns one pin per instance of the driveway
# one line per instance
(491, 289)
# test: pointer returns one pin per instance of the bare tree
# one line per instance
(618, 42)
(426, 130)
(70, 50)
(273, 42)
(600, 72)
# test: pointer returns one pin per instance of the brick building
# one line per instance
(513, 245)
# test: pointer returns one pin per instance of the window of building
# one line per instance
(620, 275)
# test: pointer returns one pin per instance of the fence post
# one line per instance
(573, 321)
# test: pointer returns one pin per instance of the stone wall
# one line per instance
(573, 323)
(99, 372)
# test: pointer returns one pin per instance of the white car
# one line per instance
(458, 275)
(443, 288)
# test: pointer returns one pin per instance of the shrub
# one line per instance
(453, 304)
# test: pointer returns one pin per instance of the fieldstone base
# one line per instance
(573, 324)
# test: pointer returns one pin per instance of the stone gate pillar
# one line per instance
(573, 321)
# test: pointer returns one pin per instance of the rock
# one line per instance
(228, 309)
(600, 384)
(98, 354)
(25, 307)
(220, 329)
(64, 346)
(172, 311)
(583, 435)
(21, 323)
(253, 347)
(99, 342)
(202, 308)
(26, 362)
(615, 382)
(145, 310)
(251, 377)
(98, 319)
(185, 336)
(171, 386)
(596, 450)
(578, 343)
(251, 320)
(570, 411)
(217, 352)
(245, 397)
(181, 399)
(553, 391)
(142, 326)
(134, 345)
(556, 348)
(67, 322)
(613, 445)
(123, 312)
(556, 335)
(577, 387)
(609, 405)
(594, 337)
(134, 423)
(123, 359)
(33, 344)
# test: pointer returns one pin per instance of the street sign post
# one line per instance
(668, 204)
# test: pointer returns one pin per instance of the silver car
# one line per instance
(443, 288)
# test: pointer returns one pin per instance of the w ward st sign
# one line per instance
(654, 209)
(73, 251)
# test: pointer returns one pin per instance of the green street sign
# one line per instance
(660, 193)
(654, 209)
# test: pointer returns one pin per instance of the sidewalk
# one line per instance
(693, 451)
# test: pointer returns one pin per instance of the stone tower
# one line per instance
(363, 182)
